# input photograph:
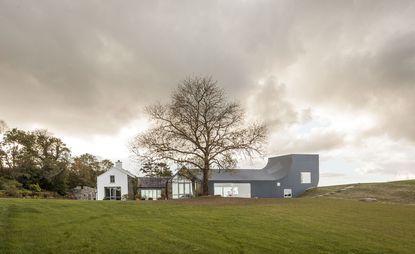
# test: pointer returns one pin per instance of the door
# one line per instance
(112, 193)
(288, 193)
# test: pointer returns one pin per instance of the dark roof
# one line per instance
(235, 175)
(152, 182)
(276, 168)
(240, 175)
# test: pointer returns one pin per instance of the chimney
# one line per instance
(118, 164)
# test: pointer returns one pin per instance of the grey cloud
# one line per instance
(395, 61)
(331, 174)
(379, 79)
(315, 142)
(269, 104)
(390, 168)
(91, 66)
(3, 126)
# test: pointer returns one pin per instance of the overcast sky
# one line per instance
(330, 77)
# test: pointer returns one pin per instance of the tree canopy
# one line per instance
(85, 168)
(199, 128)
(152, 168)
(38, 160)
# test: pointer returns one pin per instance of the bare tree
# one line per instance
(200, 129)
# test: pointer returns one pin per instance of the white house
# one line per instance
(115, 184)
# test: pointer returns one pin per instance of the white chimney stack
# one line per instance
(118, 164)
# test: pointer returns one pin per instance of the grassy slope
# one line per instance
(397, 192)
(305, 225)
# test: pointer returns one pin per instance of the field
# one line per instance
(207, 225)
(391, 192)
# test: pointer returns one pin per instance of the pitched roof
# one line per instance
(121, 170)
(152, 182)
(125, 171)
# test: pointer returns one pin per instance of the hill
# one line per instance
(395, 192)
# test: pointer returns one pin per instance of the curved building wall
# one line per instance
(284, 174)
(300, 163)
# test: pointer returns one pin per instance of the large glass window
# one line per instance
(305, 177)
(218, 191)
(181, 187)
(112, 193)
(242, 190)
(152, 194)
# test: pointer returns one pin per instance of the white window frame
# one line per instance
(154, 194)
(181, 187)
(232, 189)
(305, 177)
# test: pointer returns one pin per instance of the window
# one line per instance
(305, 177)
(182, 187)
(152, 194)
(112, 193)
(242, 190)
(278, 184)
(112, 179)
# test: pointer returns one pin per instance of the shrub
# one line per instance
(10, 187)
(35, 187)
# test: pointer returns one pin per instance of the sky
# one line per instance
(336, 78)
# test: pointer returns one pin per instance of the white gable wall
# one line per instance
(121, 180)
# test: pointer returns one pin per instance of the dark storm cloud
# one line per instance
(90, 67)
(379, 80)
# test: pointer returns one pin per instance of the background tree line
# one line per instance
(36, 161)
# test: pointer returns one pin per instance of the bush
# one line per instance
(10, 187)
(35, 187)
(49, 194)
(25, 193)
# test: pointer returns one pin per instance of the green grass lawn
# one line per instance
(395, 192)
(304, 225)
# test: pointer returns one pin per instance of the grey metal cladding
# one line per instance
(300, 163)
(239, 175)
(285, 170)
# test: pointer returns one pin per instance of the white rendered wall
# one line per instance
(239, 190)
(121, 180)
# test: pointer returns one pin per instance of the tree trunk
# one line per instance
(205, 182)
